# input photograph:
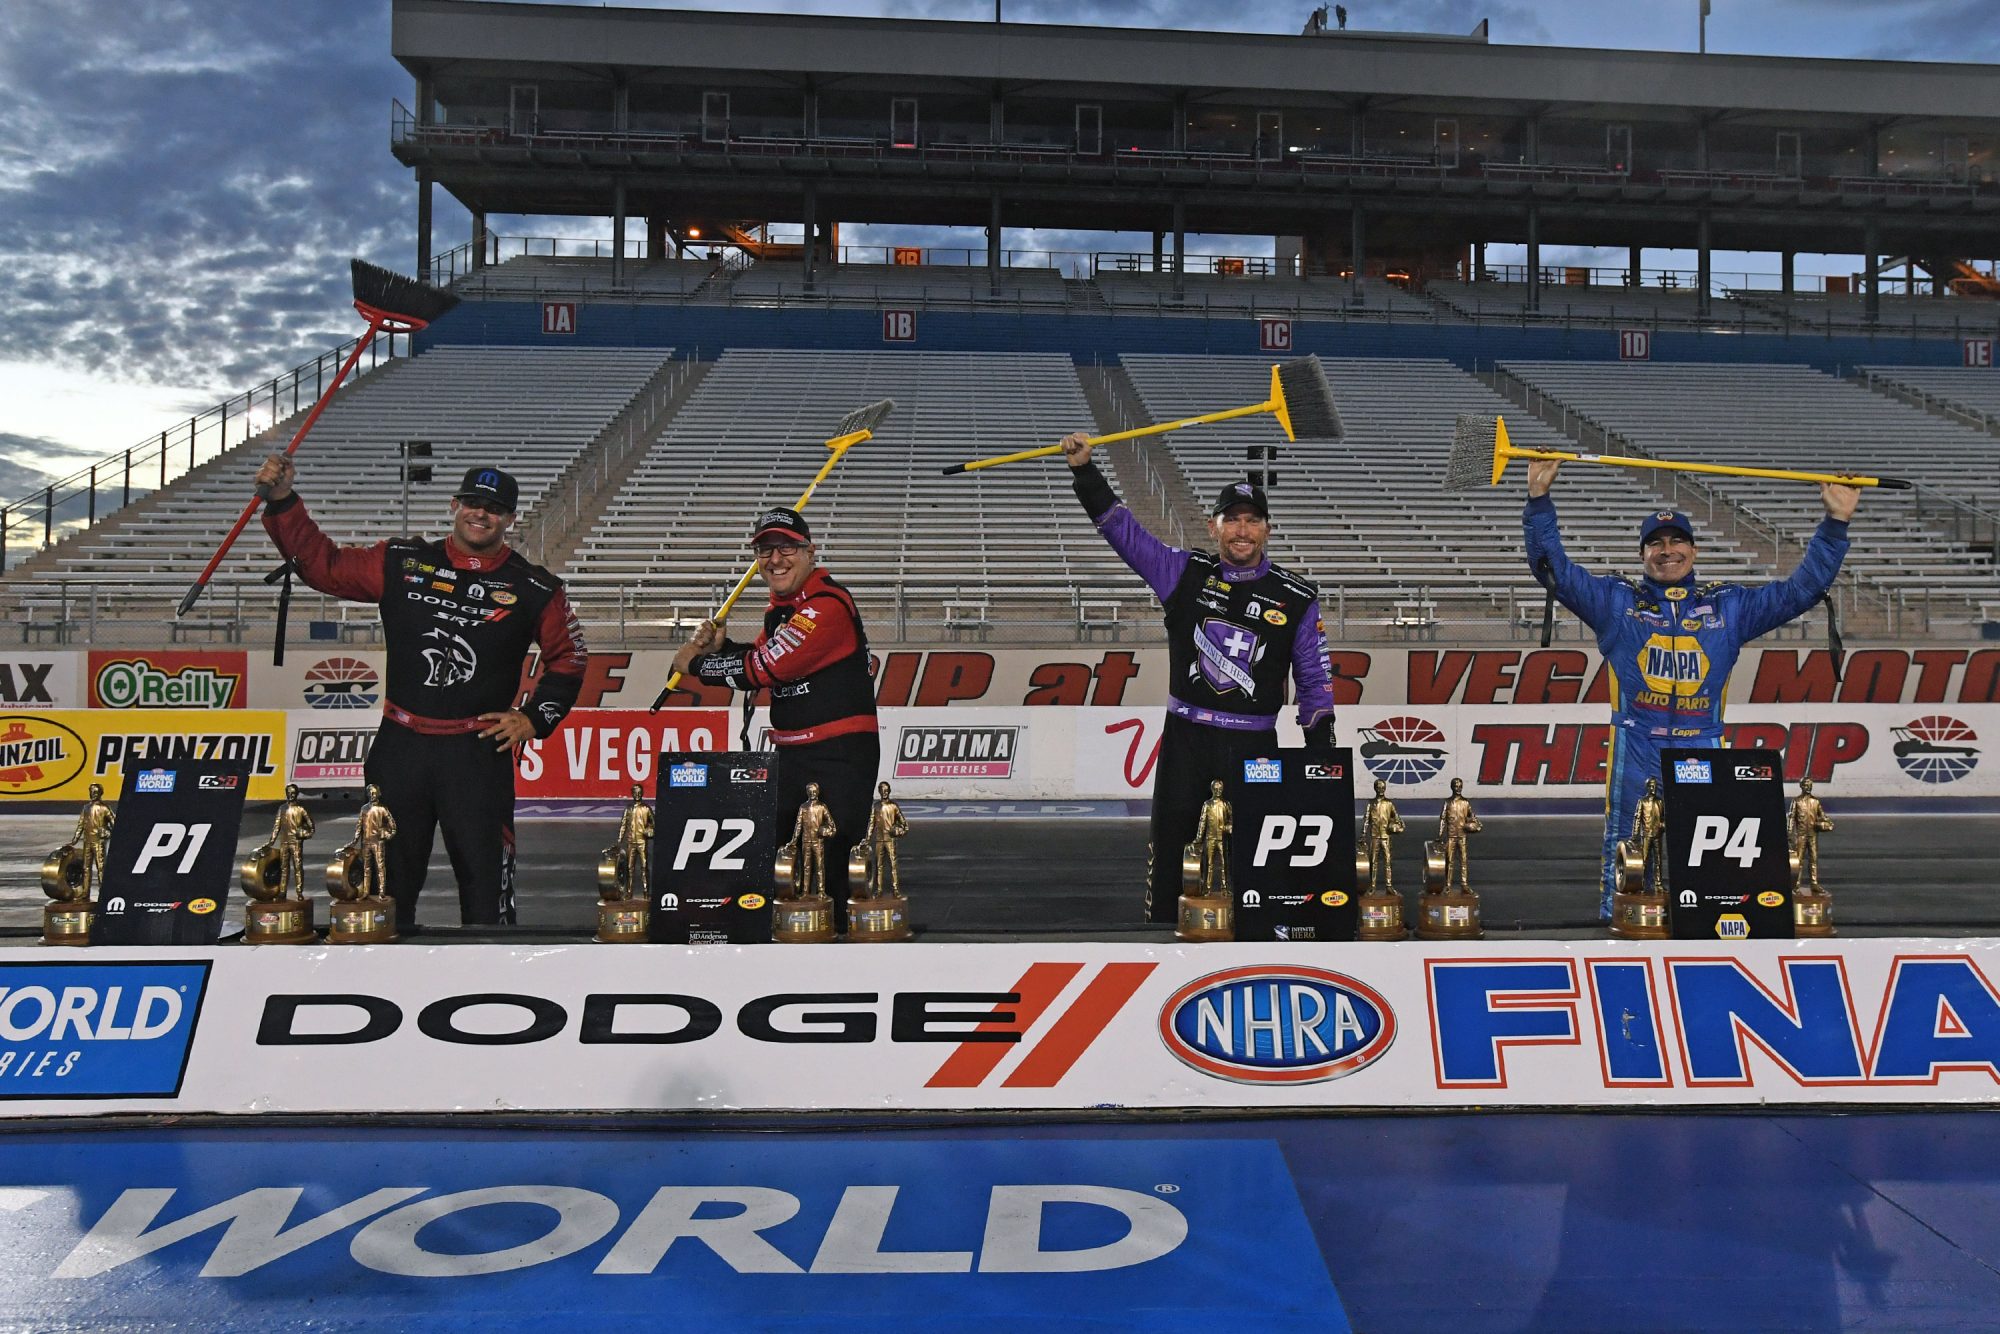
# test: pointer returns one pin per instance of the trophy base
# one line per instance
(623, 921)
(363, 921)
(1812, 914)
(1205, 918)
(67, 923)
(878, 919)
(1381, 917)
(1639, 916)
(802, 921)
(278, 922)
(1450, 916)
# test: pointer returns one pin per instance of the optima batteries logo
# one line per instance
(1280, 1024)
(107, 1030)
(957, 752)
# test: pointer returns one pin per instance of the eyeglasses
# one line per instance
(777, 549)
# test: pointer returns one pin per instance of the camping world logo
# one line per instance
(1403, 750)
(342, 683)
(1935, 749)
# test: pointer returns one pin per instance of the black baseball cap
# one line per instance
(489, 486)
(1242, 493)
(781, 522)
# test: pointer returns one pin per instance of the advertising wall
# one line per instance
(947, 1027)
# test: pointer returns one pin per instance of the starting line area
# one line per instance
(1538, 1222)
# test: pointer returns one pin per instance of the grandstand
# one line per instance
(1970, 393)
(1595, 305)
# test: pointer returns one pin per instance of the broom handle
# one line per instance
(839, 447)
(1719, 469)
(1229, 414)
(201, 582)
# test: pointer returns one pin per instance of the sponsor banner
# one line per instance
(41, 681)
(1597, 1023)
(168, 679)
(330, 750)
(56, 755)
(93, 1030)
(601, 753)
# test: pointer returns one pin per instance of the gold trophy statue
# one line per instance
(1639, 906)
(1812, 906)
(363, 912)
(1208, 900)
(879, 911)
(72, 872)
(624, 876)
(274, 880)
(803, 912)
(1381, 906)
(1450, 908)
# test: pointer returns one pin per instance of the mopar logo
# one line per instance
(156, 780)
(1692, 771)
(107, 1030)
(1263, 771)
(688, 775)
(1277, 1025)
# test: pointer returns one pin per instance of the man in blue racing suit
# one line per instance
(1669, 641)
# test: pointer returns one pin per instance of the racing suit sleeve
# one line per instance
(1763, 609)
(354, 573)
(1588, 595)
(564, 658)
(792, 652)
(1313, 676)
(1151, 559)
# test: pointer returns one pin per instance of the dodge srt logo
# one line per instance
(452, 662)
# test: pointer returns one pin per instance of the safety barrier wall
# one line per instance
(1901, 722)
(709, 330)
(982, 1027)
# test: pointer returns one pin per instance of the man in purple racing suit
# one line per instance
(1236, 626)
(1669, 641)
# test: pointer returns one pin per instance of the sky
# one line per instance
(181, 181)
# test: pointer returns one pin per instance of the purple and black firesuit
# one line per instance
(1233, 635)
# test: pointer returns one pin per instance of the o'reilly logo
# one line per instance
(107, 1030)
(135, 683)
(957, 752)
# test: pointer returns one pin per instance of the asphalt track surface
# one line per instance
(992, 871)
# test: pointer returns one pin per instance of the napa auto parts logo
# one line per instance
(167, 680)
(37, 754)
(1277, 1024)
(105, 1030)
(957, 752)
(342, 683)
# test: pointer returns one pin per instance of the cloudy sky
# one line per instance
(182, 180)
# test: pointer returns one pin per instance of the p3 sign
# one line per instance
(718, 829)
(1292, 855)
(172, 854)
(1729, 871)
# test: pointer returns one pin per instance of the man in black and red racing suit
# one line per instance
(458, 618)
(813, 657)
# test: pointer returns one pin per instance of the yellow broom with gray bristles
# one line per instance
(1481, 451)
(1301, 400)
(855, 427)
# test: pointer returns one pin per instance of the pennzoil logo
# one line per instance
(37, 754)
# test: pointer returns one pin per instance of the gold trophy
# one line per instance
(363, 913)
(879, 911)
(1639, 904)
(1208, 900)
(803, 912)
(624, 876)
(274, 880)
(1381, 906)
(71, 873)
(1450, 908)
(1812, 906)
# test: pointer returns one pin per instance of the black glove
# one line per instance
(1319, 737)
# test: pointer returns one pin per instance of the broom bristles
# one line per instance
(865, 419)
(1472, 445)
(1309, 400)
(406, 299)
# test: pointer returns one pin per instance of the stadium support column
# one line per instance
(656, 238)
(1159, 251)
(809, 251)
(423, 224)
(1871, 271)
(993, 246)
(618, 234)
(1534, 257)
(1701, 264)
(1180, 249)
(1787, 261)
(480, 242)
(1357, 251)
(1634, 273)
